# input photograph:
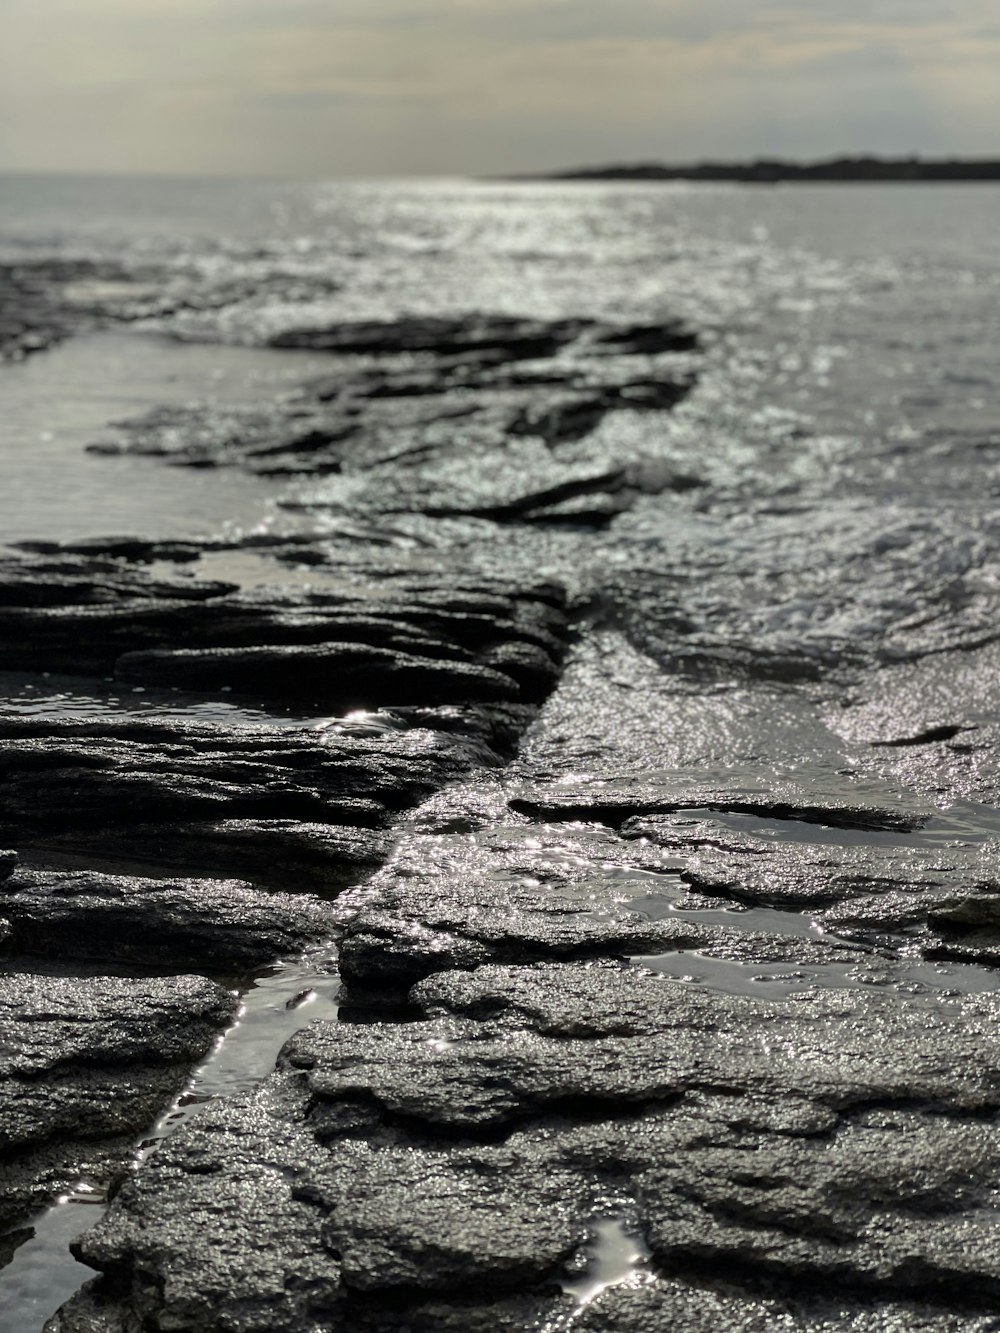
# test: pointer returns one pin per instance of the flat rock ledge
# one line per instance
(87, 1064)
(451, 1171)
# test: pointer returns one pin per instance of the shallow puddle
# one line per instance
(615, 1255)
(766, 920)
(916, 979)
(58, 402)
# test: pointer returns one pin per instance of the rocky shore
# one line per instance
(616, 775)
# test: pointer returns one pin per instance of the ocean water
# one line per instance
(865, 318)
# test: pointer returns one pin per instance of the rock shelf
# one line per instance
(668, 1001)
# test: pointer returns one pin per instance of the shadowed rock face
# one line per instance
(207, 791)
(157, 923)
(108, 811)
(476, 641)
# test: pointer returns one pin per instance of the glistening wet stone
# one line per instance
(533, 1086)
(87, 1064)
(461, 890)
(485, 485)
(121, 919)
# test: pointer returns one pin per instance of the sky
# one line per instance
(334, 88)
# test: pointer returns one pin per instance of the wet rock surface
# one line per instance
(412, 642)
(179, 793)
(156, 922)
(649, 791)
(87, 1065)
(525, 1097)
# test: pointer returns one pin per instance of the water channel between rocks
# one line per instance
(284, 998)
(54, 406)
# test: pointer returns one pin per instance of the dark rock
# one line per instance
(61, 775)
(221, 924)
(286, 854)
(670, 335)
(87, 1065)
(835, 1142)
(8, 864)
(333, 674)
(63, 578)
(503, 335)
(427, 644)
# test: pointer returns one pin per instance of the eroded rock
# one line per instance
(87, 1064)
(835, 1140)
(216, 924)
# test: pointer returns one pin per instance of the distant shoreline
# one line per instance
(839, 170)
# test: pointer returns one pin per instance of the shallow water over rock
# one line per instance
(275, 1005)
(56, 404)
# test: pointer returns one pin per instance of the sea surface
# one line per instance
(865, 319)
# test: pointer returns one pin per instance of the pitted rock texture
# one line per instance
(824, 1142)
(183, 923)
(87, 1064)
(677, 965)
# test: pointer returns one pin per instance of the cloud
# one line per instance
(369, 86)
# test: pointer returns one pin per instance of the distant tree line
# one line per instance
(767, 171)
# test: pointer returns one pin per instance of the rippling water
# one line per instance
(865, 317)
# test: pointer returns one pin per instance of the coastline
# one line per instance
(661, 886)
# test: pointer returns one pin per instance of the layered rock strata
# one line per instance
(669, 992)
